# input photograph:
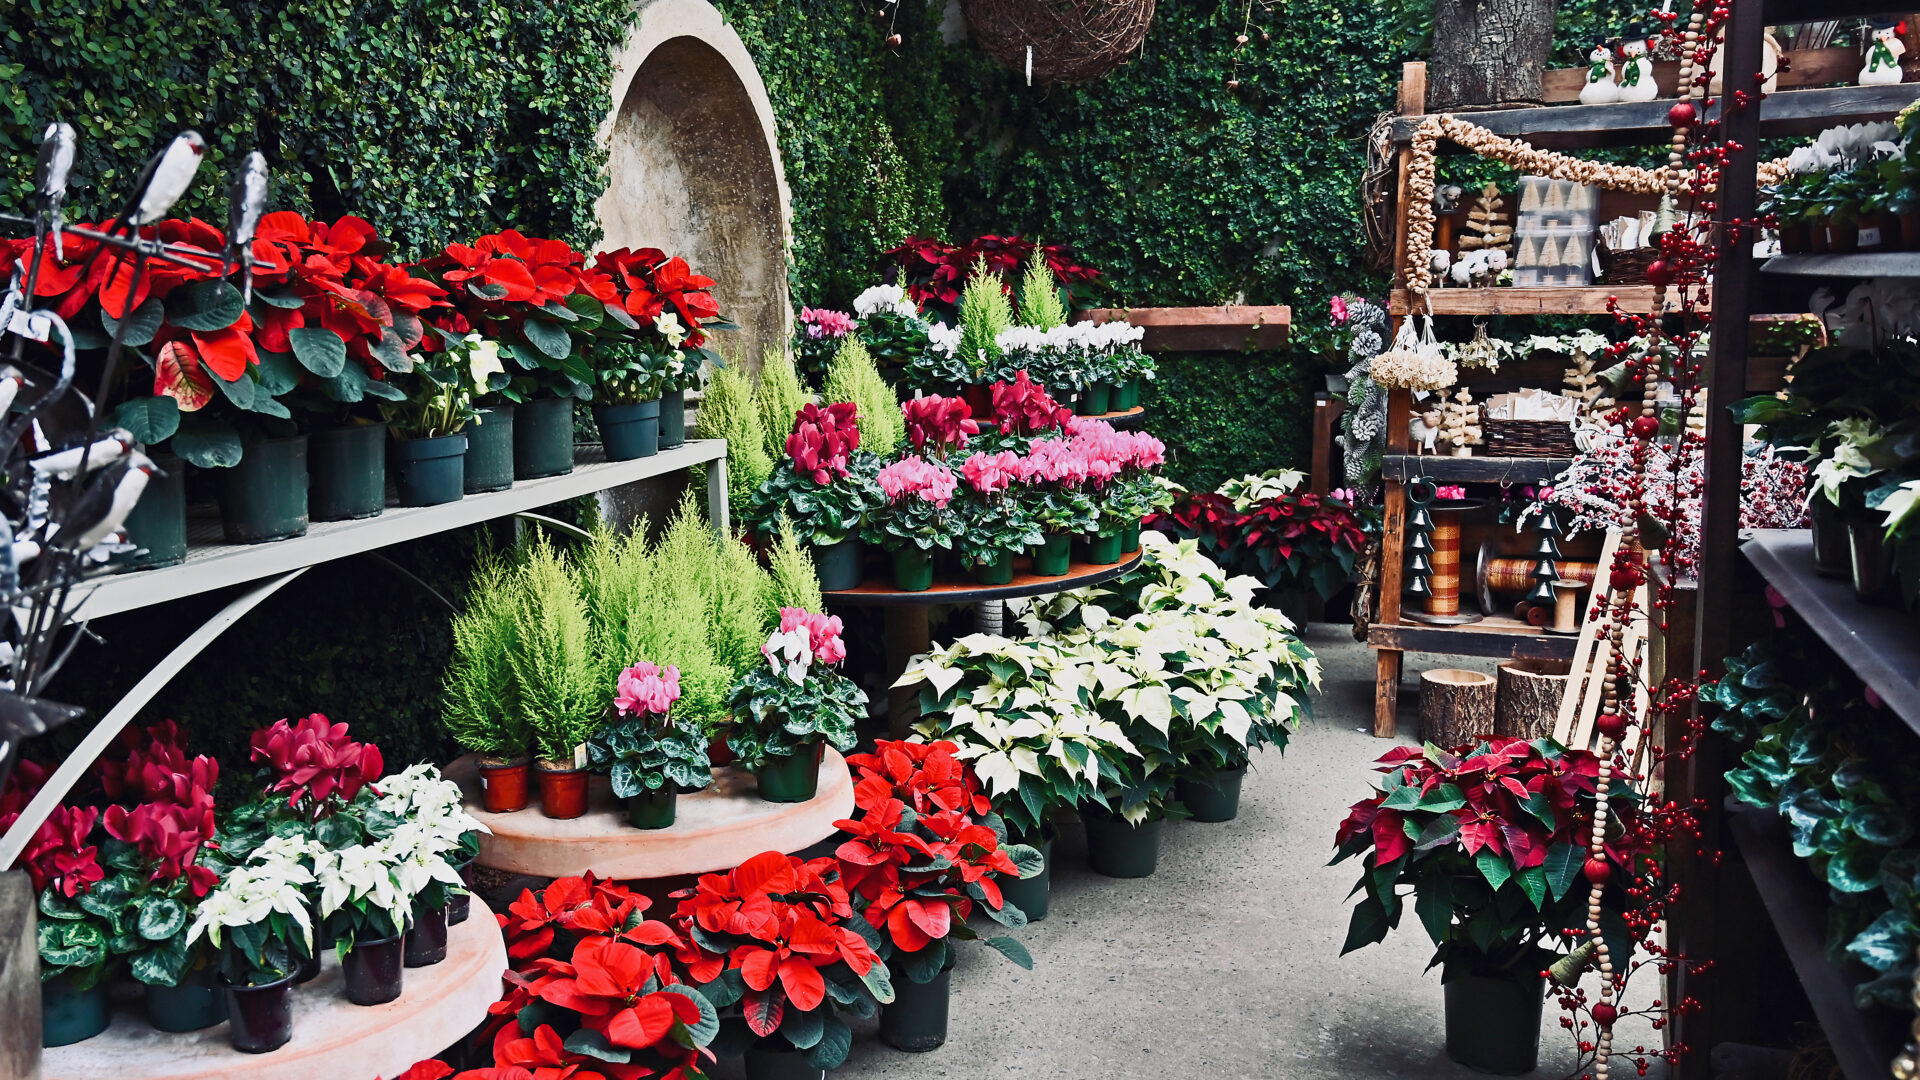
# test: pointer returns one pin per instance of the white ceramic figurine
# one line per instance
(1884, 50)
(1636, 68)
(1600, 88)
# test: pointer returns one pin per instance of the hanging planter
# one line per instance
(1059, 41)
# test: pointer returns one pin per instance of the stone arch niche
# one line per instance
(694, 166)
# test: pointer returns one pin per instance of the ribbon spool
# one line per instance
(1514, 575)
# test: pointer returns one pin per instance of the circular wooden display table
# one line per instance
(1079, 575)
(715, 829)
(333, 1039)
(1124, 419)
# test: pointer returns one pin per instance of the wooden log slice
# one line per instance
(1456, 706)
(1529, 697)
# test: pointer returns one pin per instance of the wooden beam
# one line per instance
(1326, 412)
(1469, 641)
(1538, 300)
(1472, 470)
(1236, 327)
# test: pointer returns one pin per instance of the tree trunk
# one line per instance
(1530, 692)
(19, 977)
(1488, 53)
(1456, 706)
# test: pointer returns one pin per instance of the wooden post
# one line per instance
(1326, 412)
(1456, 706)
(19, 978)
(1529, 694)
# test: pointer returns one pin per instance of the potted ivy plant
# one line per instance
(649, 755)
(823, 490)
(916, 521)
(1495, 879)
(924, 848)
(478, 705)
(789, 709)
(429, 426)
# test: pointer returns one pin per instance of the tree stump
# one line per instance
(1488, 53)
(1456, 706)
(1529, 697)
(19, 977)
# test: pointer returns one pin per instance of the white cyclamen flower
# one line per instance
(790, 653)
(668, 326)
(483, 360)
(943, 339)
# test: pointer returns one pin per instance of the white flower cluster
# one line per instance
(790, 653)
(424, 797)
(1071, 338)
(885, 298)
(275, 879)
(385, 875)
(943, 339)
(1846, 146)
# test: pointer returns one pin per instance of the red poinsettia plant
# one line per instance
(934, 271)
(1491, 841)
(778, 936)
(924, 847)
(315, 764)
(1296, 541)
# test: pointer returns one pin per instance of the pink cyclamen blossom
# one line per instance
(915, 476)
(988, 473)
(826, 323)
(945, 422)
(822, 440)
(1449, 492)
(647, 688)
(1148, 452)
(1056, 461)
(1338, 305)
(823, 633)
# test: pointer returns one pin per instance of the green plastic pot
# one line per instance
(774, 1058)
(158, 523)
(347, 471)
(264, 497)
(653, 810)
(1832, 553)
(1493, 1024)
(1030, 894)
(1125, 396)
(994, 568)
(67, 1015)
(1116, 849)
(430, 471)
(543, 438)
(1130, 539)
(839, 564)
(1217, 799)
(673, 419)
(489, 465)
(1054, 555)
(629, 431)
(916, 1019)
(793, 778)
(198, 1002)
(912, 569)
(1094, 400)
(1103, 548)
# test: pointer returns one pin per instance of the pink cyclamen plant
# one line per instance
(917, 477)
(646, 689)
(988, 473)
(823, 633)
(826, 323)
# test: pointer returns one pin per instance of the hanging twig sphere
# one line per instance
(1072, 41)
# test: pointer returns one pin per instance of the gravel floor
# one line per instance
(1225, 963)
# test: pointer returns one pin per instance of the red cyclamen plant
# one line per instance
(315, 764)
(938, 425)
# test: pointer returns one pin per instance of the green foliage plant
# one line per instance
(852, 377)
(985, 314)
(795, 584)
(728, 411)
(479, 703)
(1040, 303)
(779, 396)
(557, 686)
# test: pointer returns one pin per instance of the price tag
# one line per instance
(1870, 237)
(29, 325)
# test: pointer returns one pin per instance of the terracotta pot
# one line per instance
(503, 786)
(1877, 232)
(1842, 238)
(1795, 239)
(719, 754)
(563, 792)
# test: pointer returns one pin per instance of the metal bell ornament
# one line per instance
(1421, 520)
(1419, 543)
(1542, 593)
(1419, 587)
(1420, 566)
(1548, 547)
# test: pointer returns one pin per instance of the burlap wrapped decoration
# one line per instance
(1415, 363)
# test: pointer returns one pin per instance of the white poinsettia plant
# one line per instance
(258, 915)
(423, 796)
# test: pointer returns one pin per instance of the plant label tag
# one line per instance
(1870, 237)
(29, 325)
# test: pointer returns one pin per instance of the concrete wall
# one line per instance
(694, 166)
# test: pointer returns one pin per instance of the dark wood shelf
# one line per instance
(1531, 300)
(1863, 1041)
(1799, 11)
(1880, 644)
(1644, 123)
(1123, 420)
(1401, 468)
(1865, 264)
(1494, 635)
(879, 591)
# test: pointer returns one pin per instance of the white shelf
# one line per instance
(217, 566)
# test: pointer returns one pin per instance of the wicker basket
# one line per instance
(1527, 438)
(1627, 267)
(1065, 41)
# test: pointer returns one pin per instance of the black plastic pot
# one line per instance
(1030, 895)
(673, 419)
(309, 968)
(839, 565)
(158, 523)
(489, 465)
(427, 937)
(260, 1018)
(347, 468)
(196, 1003)
(774, 1058)
(1870, 559)
(374, 970)
(265, 496)
(460, 904)
(542, 438)
(794, 778)
(1830, 552)
(652, 810)
(629, 431)
(430, 471)
(1493, 1024)
(1119, 850)
(916, 1020)
(1215, 800)
(68, 1015)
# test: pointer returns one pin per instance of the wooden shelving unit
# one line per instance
(1542, 300)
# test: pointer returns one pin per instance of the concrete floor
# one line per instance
(1225, 963)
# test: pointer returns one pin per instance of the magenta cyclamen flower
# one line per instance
(988, 473)
(826, 323)
(647, 688)
(915, 476)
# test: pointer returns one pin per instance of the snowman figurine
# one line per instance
(1884, 50)
(1636, 68)
(1600, 88)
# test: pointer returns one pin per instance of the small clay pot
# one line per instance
(563, 792)
(503, 784)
